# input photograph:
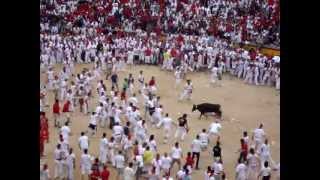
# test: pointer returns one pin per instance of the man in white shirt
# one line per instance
(138, 165)
(178, 76)
(157, 115)
(214, 75)
(277, 170)
(63, 89)
(134, 100)
(204, 138)
(167, 124)
(117, 132)
(241, 171)
(71, 164)
(65, 131)
(85, 163)
(258, 137)
(117, 114)
(176, 154)
(44, 173)
(141, 130)
(181, 174)
(166, 162)
(214, 129)
(265, 172)
(187, 91)
(83, 141)
(103, 149)
(264, 152)
(58, 159)
(119, 163)
(196, 148)
(93, 123)
(128, 173)
(218, 169)
(253, 162)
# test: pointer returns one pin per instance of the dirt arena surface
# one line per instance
(244, 107)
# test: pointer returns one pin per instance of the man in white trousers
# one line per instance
(85, 163)
(103, 149)
(167, 125)
(71, 164)
(187, 91)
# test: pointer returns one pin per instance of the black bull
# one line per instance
(207, 108)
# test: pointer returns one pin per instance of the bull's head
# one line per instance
(194, 107)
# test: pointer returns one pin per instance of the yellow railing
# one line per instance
(264, 50)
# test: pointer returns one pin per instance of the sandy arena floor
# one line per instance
(248, 105)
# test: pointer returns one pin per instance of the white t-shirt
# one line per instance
(166, 162)
(167, 122)
(70, 159)
(176, 153)
(169, 178)
(177, 74)
(188, 87)
(133, 100)
(215, 127)
(153, 145)
(85, 160)
(99, 109)
(103, 144)
(218, 168)
(204, 138)
(57, 154)
(241, 169)
(246, 139)
(64, 145)
(117, 115)
(158, 112)
(253, 160)
(44, 174)
(265, 149)
(117, 130)
(180, 174)
(214, 71)
(93, 120)
(258, 134)
(84, 142)
(65, 131)
(128, 174)
(157, 164)
(140, 128)
(265, 171)
(139, 159)
(196, 145)
(119, 161)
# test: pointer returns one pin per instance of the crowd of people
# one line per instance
(189, 52)
(131, 147)
(180, 36)
(254, 21)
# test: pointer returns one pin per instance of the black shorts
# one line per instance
(151, 110)
(265, 177)
(93, 127)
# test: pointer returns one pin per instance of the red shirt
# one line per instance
(173, 53)
(152, 82)
(105, 174)
(94, 175)
(66, 107)
(148, 52)
(123, 95)
(56, 108)
(189, 161)
(244, 149)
